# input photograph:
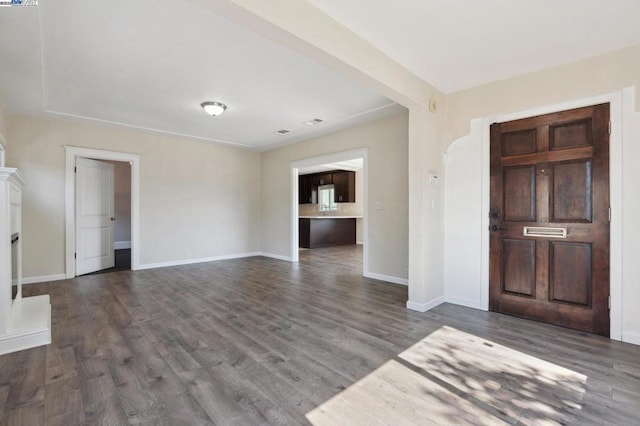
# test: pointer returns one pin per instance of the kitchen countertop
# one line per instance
(331, 217)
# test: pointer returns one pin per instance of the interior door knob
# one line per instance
(494, 228)
(112, 218)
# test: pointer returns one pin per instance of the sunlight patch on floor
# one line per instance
(455, 377)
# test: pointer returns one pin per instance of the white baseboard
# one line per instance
(469, 303)
(119, 245)
(198, 260)
(424, 307)
(30, 324)
(44, 278)
(387, 278)
(633, 338)
(275, 256)
(360, 243)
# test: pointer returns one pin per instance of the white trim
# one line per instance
(424, 307)
(387, 278)
(198, 260)
(325, 159)
(617, 110)
(30, 324)
(71, 153)
(43, 279)
(119, 245)
(632, 338)
(294, 213)
(470, 303)
(150, 129)
(360, 242)
(275, 256)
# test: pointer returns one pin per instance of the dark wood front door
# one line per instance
(549, 218)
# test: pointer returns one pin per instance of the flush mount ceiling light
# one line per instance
(313, 122)
(213, 108)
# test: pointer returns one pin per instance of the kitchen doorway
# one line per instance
(329, 205)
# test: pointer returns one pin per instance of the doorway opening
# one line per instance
(102, 211)
(329, 206)
(118, 239)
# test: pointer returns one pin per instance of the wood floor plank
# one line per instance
(63, 405)
(261, 341)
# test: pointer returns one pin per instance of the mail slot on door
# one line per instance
(539, 231)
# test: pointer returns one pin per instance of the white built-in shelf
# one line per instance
(25, 322)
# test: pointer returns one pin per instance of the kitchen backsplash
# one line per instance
(344, 209)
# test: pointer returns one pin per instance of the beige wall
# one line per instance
(386, 141)
(197, 199)
(594, 76)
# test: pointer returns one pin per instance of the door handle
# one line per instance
(112, 218)
(494, 228)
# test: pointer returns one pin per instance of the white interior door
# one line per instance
(94, 216)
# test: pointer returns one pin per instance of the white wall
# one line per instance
(630, 225)
(463, 224)
(197, 199)
(466, 164)
(386, 141)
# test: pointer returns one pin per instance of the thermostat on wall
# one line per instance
(434, 180)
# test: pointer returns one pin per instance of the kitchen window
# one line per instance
(326, 199)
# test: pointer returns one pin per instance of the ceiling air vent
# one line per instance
(313, 122)
(282, 132)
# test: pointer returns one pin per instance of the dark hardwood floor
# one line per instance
(261, 341)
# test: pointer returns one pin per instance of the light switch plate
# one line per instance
(378, 205)
(434, 180)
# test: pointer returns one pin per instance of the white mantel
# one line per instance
(24, 322)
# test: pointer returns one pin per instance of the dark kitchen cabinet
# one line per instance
(324, 179)
(344, 183)
(305, 190)
(344, 187)
(325, 232)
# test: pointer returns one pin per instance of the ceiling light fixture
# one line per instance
(213, 108)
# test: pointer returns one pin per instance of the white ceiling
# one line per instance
(150, 64)
(457, 44)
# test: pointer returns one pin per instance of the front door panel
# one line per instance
(549, 244)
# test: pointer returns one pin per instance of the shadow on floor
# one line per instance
(123, 262)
